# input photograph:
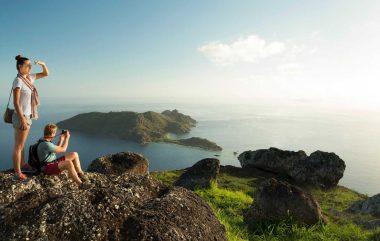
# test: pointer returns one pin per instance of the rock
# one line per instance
(322, 169)
(272, 159)
(372, 224)
(178, 204)
(201, 174)
(119, 163)
(369, 206)
(274, 199)
(53, 208)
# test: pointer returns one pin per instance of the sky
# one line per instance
(304, 51)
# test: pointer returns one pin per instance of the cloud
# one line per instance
(290, 68)
(248, 49)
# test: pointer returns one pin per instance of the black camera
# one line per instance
(63, 132)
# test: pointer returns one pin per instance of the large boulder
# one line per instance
(113, 207)
(369, 206)
(119, 163)
(201, 174)
(277, 200)
(272, 159)
(175, 207)
(322, 169)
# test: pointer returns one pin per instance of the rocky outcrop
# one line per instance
(201, 174)
(369, 206)
(322, 169)
(119, 163)
(125, 207)
(174, 208)
(272, 159)
(275, 200)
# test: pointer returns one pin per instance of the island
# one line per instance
(142, 128)
(196, 142)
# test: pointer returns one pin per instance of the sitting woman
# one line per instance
(52, 165)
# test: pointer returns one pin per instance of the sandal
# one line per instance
(17, 178)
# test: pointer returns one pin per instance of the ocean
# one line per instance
(236, 127)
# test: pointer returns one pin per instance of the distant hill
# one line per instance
(142, 128)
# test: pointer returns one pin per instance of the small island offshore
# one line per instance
(142, 128)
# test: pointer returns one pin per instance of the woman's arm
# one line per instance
(45, 71)
(16, 103)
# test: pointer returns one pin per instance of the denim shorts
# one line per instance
(17, 122)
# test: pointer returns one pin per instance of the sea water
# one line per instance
(236, 127)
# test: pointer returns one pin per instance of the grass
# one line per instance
(167, 177)
(233, 196)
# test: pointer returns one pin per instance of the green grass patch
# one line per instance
(233, 195)
(234, 183)
(167, 177)
(228, 206)
(339, 198)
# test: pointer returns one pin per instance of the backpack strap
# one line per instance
(39, 142)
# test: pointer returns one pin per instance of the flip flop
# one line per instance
(18, 179)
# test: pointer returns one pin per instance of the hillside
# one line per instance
(234, 193)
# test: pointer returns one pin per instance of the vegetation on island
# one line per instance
(196, 142)
(142, 128)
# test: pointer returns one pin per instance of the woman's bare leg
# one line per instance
(17, 155)
(69, 166)
(23, 157)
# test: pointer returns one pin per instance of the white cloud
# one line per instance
(244, 49)
(290, 68)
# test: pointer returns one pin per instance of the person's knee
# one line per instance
(72, 155)
(19, 147)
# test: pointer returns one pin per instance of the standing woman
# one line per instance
(25, 100)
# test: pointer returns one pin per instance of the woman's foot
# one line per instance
(20, 177)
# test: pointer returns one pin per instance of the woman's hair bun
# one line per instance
(18, 57)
